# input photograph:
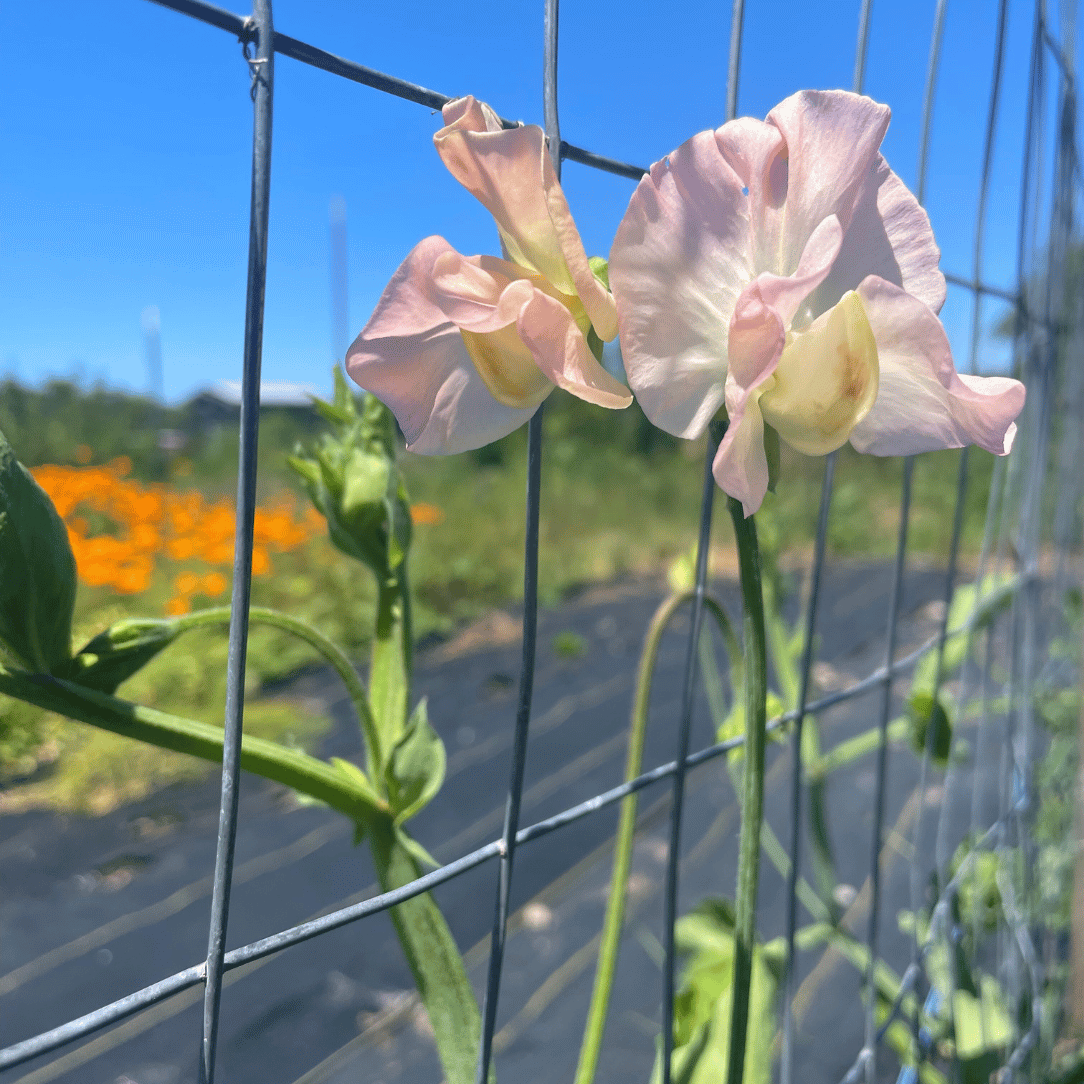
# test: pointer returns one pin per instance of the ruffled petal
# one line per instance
(832, 138)
(413, 358)
(923, 403)
(741, 465)
(561, 353)
(677, 266)
(512, 175)
(467, 289)
(889, 236)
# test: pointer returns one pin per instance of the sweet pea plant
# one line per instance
(773, 280)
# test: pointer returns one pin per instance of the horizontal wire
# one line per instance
(978, 287)
(315, 57)
(150, 995)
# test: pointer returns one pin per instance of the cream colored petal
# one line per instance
(826, 380)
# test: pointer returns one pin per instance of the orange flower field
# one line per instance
(120, 530)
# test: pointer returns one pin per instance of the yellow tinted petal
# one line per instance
(826, 380)
(507, 367)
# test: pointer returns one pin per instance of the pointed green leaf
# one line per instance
(600, 268)
(367, 792)
(923, 711)
(415, 769)
(37, 572)
(113, 656)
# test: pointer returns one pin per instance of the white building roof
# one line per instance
(282, 393)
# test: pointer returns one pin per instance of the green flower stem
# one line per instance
(303, 773)
(752, 801)
(335, 656)
(626, 831)
(781, 860)
(434, 958)
(390, 669)
(853, 749)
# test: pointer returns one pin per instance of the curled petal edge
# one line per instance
(923, 404)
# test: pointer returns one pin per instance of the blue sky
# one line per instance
(125, 131)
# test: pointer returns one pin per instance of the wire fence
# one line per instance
(1032, 528)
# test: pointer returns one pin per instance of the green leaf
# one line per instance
(921, 709)
(703, 1005)
(433, 957)
(415, 769)
(600, 268)
(982, 1023)
(594, 343)
(368, 794)
(123, 649)
(978, 602)
(37, 572)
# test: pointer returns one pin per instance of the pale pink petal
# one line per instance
(741, 466)
(511, 173)
(923, 403)
(412, 357)
(783, 295)
(677, 267)
(562, 354)
(889, 236)
(468, 289)
(757, 153)
(832, 139)
(755, 342)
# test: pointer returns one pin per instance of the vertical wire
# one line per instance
(1031, 539)
(673, 856)
(530, 616)
(873, 928)
(957, 528)
(519, 750)
(1006, 956)
(733, 74)
(862, 49)
(262, 69)
(786, 1066)
(678, 792)
(976, 312)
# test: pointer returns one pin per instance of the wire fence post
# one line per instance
(262, 68)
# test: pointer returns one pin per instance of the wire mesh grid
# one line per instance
(1047, 334)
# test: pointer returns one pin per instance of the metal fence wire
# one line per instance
(1032, 527)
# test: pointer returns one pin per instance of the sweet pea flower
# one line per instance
(463, 349)
(781, 269)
